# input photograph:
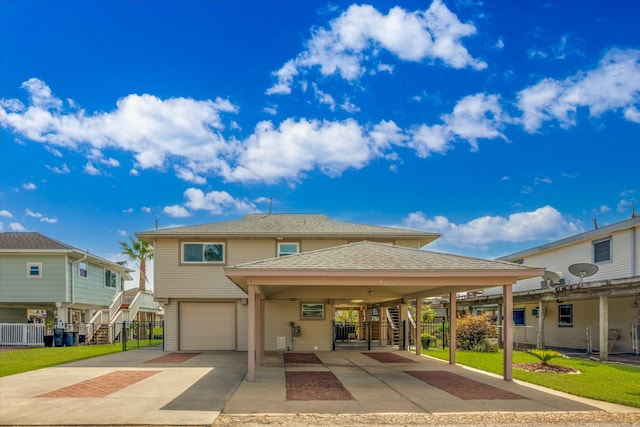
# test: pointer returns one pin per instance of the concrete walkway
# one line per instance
(149, 387)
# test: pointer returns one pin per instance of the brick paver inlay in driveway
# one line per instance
(315, 386)
(101, 386)
(462, 387)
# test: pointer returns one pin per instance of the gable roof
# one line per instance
(587, 235)
(291, 226)
(33, 242)
(30, 241)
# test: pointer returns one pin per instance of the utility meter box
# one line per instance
(295, 331)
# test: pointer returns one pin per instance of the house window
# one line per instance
(83, 270)
(110, 279)
(34, 269)
(565, 315)
(602, 250)
(518, 316)
(285, 249)
(202, 252)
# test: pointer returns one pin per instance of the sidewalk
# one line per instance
(149, 387)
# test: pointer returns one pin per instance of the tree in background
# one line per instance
(140, 252)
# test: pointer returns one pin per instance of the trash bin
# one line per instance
(70, 338)
(57, 337)
(48, 340)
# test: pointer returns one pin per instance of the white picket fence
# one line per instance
(22, 334)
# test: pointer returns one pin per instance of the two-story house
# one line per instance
(38, 272)
(272, 282)
(592, 307)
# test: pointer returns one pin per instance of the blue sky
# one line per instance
(501, 124)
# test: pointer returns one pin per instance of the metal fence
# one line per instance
(22, 334)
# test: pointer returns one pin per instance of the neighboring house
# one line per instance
(272, 282)
(37, 272)
(593, 314)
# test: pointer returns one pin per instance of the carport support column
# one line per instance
(604, 327)
(452, 328)
(251, 329)
(507, 325)
(418, 326)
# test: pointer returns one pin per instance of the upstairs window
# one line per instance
(83, 270)
(285, 249)
(110, 279)
(34, 269)
(203, 252)
(602, 250)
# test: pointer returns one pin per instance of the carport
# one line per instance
(375, 273)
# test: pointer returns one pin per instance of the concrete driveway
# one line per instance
(150, 387)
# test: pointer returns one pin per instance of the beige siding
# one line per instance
(313, 333)
(313, 245)
(241, 251)
(558, 260)
(242, 316)
(526, 335)
(586, 324)
(173, 280)
(171, 326)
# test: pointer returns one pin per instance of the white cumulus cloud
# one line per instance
(613, 85)
(545, 223)
(360, 33)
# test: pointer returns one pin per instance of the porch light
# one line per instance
(357, 300)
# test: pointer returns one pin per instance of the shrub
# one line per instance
(473, 332)
(545, 355)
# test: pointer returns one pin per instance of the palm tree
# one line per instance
(141, 252)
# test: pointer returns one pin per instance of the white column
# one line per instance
(604, 327)
(452, 328)
(540, 343)
(418, 326)
(251, 368)
(508, 331)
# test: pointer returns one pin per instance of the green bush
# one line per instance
(545, 355)
(473, 332)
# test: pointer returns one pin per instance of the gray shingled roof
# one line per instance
(33, 241)
(372, 256)
(291, 225)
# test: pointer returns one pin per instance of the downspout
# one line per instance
(633, 252)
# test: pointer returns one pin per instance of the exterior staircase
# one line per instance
(100, 336)
(394, 320)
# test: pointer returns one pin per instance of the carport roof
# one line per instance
(392, 270)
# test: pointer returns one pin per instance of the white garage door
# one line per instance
(207, 326)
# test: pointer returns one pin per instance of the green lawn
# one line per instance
(609, 382)
(29, 359)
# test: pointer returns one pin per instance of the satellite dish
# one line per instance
(551, 277)
(550, 280)
(583, 269)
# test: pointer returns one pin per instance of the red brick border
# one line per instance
(462, 387)
(101, 386)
